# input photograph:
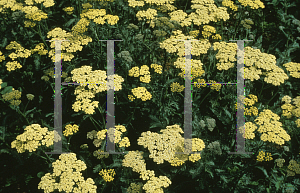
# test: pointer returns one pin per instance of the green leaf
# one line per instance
(7, 90)
(29, 111)
(97, 168)
(264, 170)
(40, 174)
(224, 178)
(70, 22)
(3, 85)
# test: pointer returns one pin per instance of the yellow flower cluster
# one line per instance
(194, 33)
(13, 97)
(297, 122)
(180, 17)
(217, 37)
(149, 14)
(91, 79)
(73, 45)
(86, 5)
(133, 3)
(140, 92)
(230, 4)
(0, 83)
(254, 4)
(12, 4)
(159, 2)
(207, 11)
(29, 24)
(70, 130)
(29, 96)
(289, 109)
(172, 45)
(166, 7)
(81, 26)
(261, 156)
(99, 154)
(159, 33)
(134, 159)
(162, 147)
(294, 167)
(264, 61)
(155, 184)
(157, 68)
(69, 10)
(163, 23)
(2, 57)
(271, 129)
(226, 54)
(107, 175)
(33, 13)
(11, 66)
(116, 134)
(200, 83)
(249, 129)
(279, 162)
(196, 67)
(216, 87)
(135, 188)
(19, 52)
(136, 72)
(176, 87)
(39, 48)
(208, 30)
(292, 67)
(248, 102)
(33, 137)
(68, 170)
(247, 23)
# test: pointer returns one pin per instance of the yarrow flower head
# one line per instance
(67, 169)
(107, 175)
(70, 130)
(33, 137)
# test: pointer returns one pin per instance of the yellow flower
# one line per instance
(134, 71)
(261, 156)
(81, 26)
(67, 172)
(30, 96)
(124, 142)
(86, 5)
(70, 130)
(111, 19)
(268, 157)
(69, 10)
(176, 87)
(230, 4)
(133, 3)
(33, 137)
(135, 188)
(286, 99)
(107, 175)
(142, 93)
(100, 154)
(0, 83)
(293, 68)
(157, 68)
(149, 14)
(2, 58)
(254, 4)
(194, 33)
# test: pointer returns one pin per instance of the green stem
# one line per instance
(26, 107)
(272, 97)
(205, 97)
(23, 115)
